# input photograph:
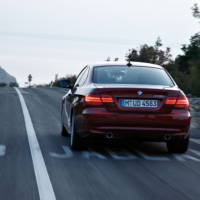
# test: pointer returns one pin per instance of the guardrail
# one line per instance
(195, 99)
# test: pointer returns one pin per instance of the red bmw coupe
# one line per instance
(126, 101)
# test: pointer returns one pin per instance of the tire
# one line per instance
(178, 145)
(64, 132)
(75, 142)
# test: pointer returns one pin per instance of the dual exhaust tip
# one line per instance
(166, 137)
(109, 135)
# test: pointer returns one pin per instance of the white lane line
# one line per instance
(43, 181)
(122, 155)
(2, 150)
(178, 157)
(197, 141)
(191, 158)
(152, 157)
(91, 153)
(68, 153)
(195, 152)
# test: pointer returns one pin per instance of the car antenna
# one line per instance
(129, 60)
(129, 63)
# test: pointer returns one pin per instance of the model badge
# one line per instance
(139, 93)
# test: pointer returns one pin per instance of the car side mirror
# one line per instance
(65, 84)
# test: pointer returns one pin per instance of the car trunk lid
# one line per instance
(137, 93)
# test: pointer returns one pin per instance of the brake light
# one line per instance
(93, 99)
(98, 99)
(177, 102)
(106, 99)
(170, 100)
(182, 102)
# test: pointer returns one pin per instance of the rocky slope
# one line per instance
(6, 78)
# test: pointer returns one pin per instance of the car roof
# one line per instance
(142, 64)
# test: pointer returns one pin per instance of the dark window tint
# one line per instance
(131, 75)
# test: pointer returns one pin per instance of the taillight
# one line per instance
(171, 100)
(98, 99)
(106, 99)
(182, 102)
(177, 102)
(93, 99)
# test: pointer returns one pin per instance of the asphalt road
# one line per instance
(136, 171)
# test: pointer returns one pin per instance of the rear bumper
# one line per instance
(99, 122)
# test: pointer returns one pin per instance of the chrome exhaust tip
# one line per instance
(167, 137)
(109, 135)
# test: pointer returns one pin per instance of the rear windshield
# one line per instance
(131, 75)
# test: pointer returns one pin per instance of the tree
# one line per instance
(195, 77)
(185, 69)
(188, 66)
(191, 53)
(71, 78)
(196, 11)
(150, 54)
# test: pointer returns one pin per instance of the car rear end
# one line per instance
(145, 108)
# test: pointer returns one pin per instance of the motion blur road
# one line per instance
(104, 171)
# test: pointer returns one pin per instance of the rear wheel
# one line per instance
(75, 138)
(64, 132)
(178, 145)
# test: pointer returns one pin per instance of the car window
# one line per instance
(131, 75)
(77, 83)
(84, 77)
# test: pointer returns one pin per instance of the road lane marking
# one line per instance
(43, 181)
(191, 158)
(2, 150)
(195, 152)
(122, 155)
(126, 155)
(91, 153)
(68, 153)
(152, 157)
(178, 157)
(197, 141)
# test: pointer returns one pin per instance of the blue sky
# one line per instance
(45, 37)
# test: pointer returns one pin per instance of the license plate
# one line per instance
(138, 103)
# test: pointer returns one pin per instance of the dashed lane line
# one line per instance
(195, 152)
(45, 188)
(68, 153)
(152, 157)
(191, 157)
(197, 141)
(178, 157)
(2, 150)
(122, 155)
(126, 155)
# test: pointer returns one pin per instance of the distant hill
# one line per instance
(7, 79)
